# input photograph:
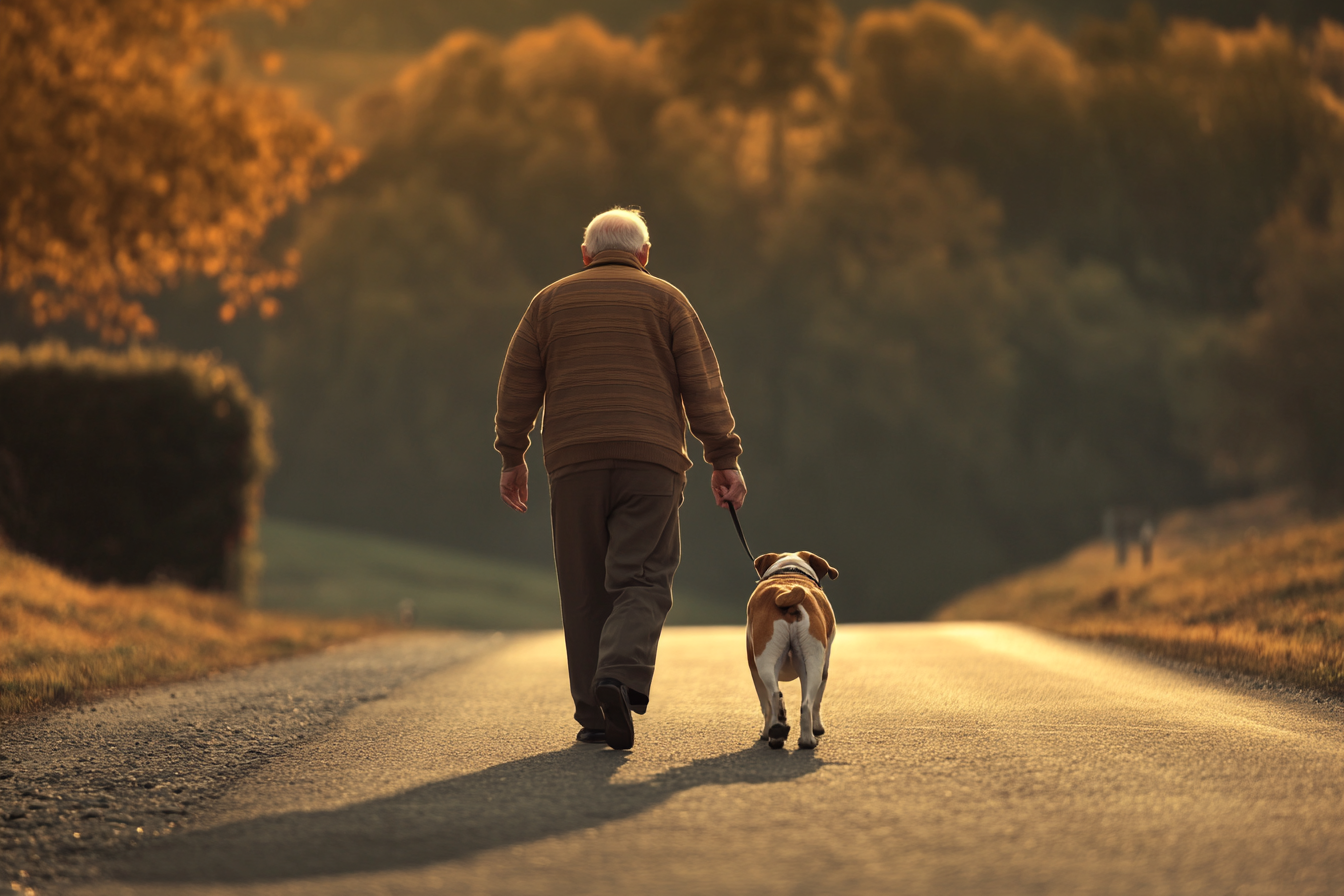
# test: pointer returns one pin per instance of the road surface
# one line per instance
(959, 758)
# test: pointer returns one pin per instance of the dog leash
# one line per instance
(742, 538)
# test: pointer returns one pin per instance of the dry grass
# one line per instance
(62, 640)
(1253, 587)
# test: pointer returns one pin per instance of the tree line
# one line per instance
(970, 282)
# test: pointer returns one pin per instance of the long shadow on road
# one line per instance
(515, 802)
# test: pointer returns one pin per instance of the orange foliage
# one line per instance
(124, 165)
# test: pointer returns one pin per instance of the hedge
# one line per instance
(132, 466)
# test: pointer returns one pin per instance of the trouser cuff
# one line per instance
(637, 681)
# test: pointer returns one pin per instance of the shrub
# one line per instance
(132, 466)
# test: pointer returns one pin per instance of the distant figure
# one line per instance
(1120, 535)
(406, 610)
(1130, 523)
(1146, 535)
(1110, 531)
(622, 364)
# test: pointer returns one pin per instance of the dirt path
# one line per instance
(959, 758)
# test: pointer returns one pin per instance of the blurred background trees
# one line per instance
(971, 277)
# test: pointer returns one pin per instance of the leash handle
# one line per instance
(742, 538)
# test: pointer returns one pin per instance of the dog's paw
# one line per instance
(776, 744)
(776, 735)
(806, 743)
(818, 730)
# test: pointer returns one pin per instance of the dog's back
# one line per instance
(800, 609)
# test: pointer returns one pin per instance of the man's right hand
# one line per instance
(513, 487)
(729, 488)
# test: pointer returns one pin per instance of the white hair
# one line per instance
(618, 228)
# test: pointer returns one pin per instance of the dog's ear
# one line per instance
(763, 562)
(819, 565)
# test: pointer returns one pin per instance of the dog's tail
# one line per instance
(792, 597)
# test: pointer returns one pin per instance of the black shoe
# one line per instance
(611, 696)
(591, 736)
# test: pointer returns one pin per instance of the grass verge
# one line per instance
(327, 571)
(1254, 587)
(62, 640)
(337, 572)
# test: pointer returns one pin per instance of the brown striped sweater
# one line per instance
(623, 364)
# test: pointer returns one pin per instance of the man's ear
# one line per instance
(763, 562)
(819, 565)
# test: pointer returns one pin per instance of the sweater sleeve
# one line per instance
(522, 388)
(707, 411)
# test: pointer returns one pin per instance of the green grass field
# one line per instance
(337, 572)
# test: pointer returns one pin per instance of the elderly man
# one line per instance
(622, 363)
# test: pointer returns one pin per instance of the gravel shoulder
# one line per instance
(82, 786)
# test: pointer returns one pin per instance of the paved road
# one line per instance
(960, 758)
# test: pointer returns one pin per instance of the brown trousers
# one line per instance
(617, 540)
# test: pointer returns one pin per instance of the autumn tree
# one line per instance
(1288, 425)
(769, 63)
(127, 162)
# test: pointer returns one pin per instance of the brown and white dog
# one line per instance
(790, 627)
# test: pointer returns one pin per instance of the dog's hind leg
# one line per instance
(810, 658)
(761, 693)
(817, 727)
(768, 666)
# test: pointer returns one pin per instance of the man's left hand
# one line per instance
(513, 487)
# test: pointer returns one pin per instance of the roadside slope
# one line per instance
(62, 639)
(1254, 587)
